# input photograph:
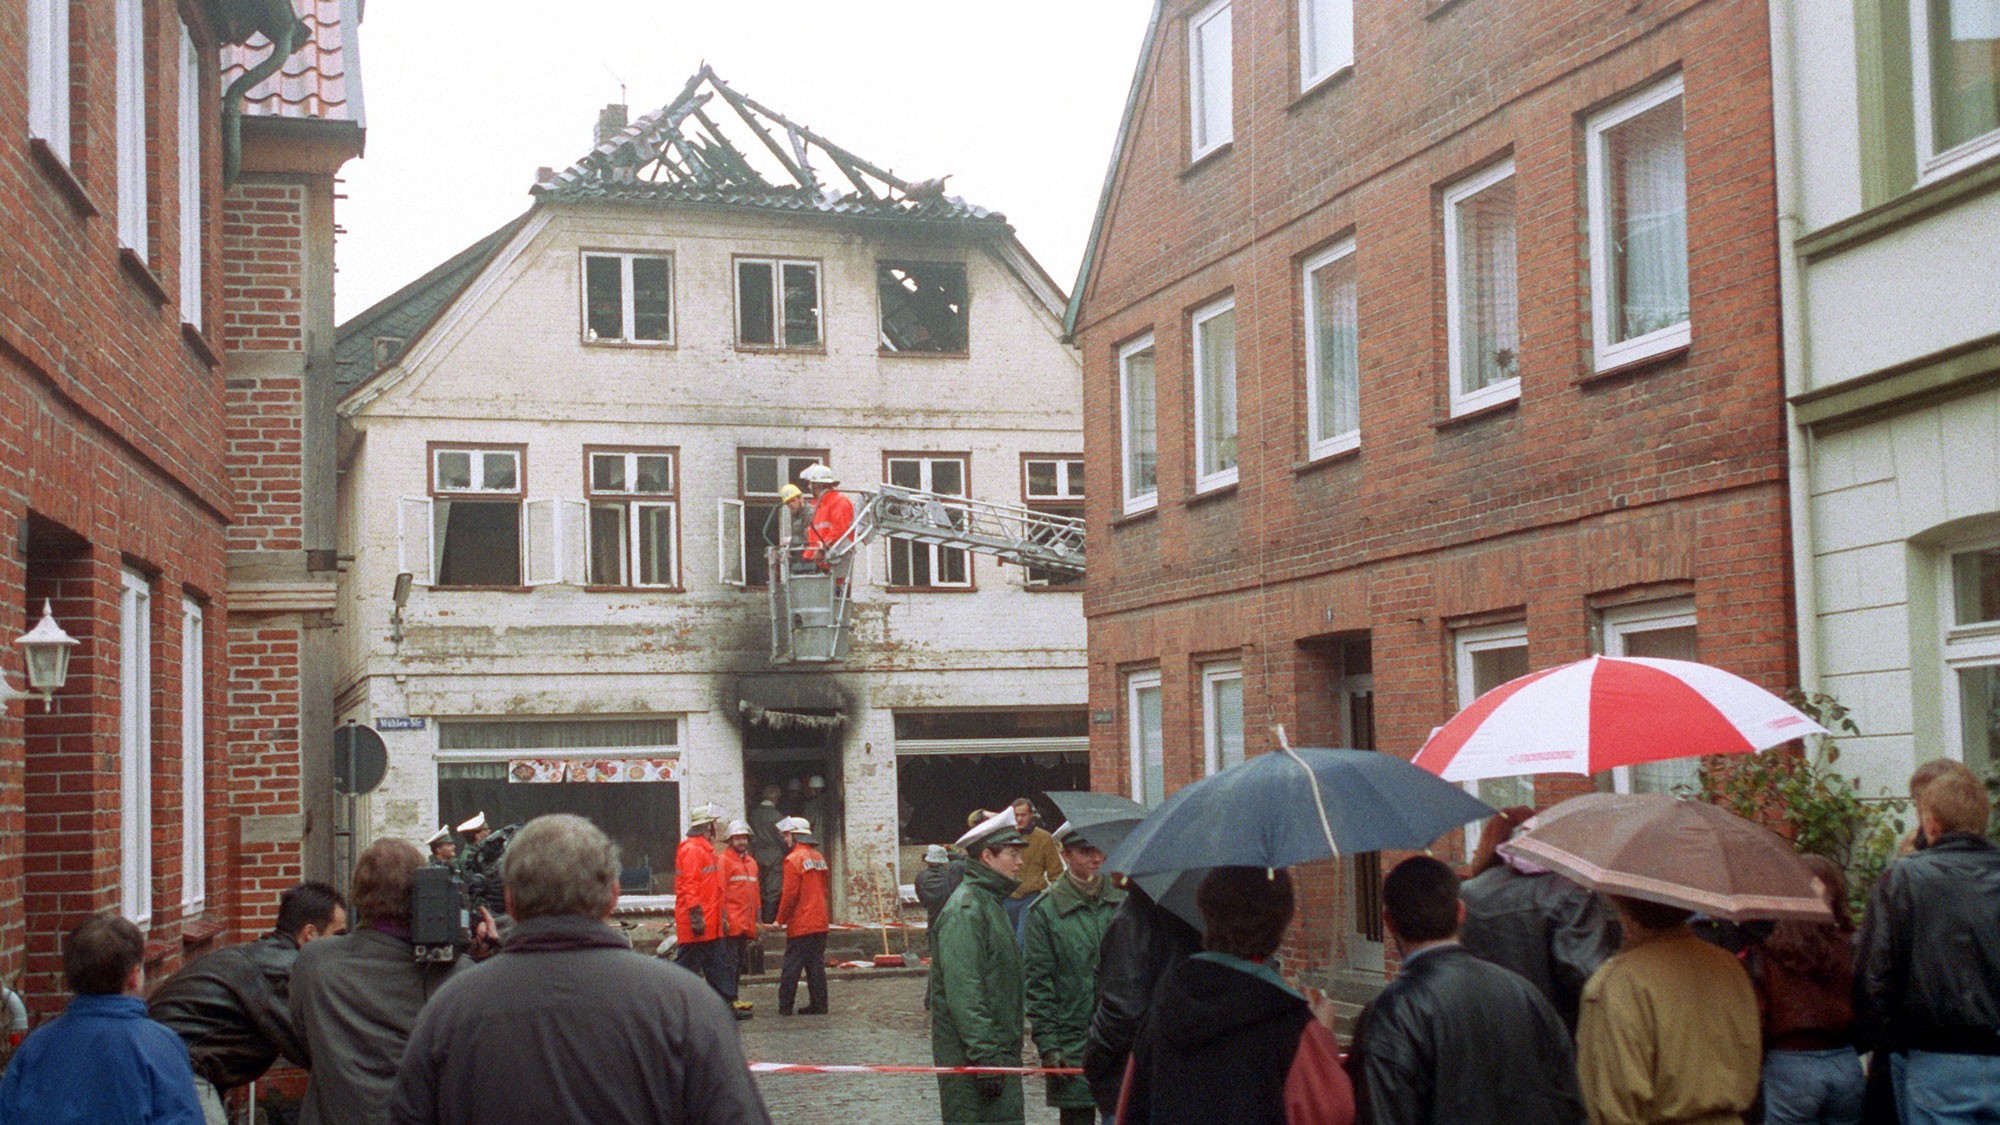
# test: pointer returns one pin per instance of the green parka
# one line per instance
(975, 997)
(1065, 928)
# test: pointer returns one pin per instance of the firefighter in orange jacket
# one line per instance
(802, 910)
(832, 513)
(741, 898)
(698, 904)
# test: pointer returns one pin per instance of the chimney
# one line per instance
(610, 122)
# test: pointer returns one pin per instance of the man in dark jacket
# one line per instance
(233, 1007)
(975, 981)
(1455, 1040)
(566, 1023)
(1526, 918)
(1928, 985)
(355, 998)
(1142, 942)
(767, 847)
(940, 876)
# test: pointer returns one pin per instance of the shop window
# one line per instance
(924, 307)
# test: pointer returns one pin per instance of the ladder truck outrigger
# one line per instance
(811, 599)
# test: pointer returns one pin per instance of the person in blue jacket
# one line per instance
(102, 1060)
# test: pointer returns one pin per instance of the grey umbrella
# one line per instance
(1105, 819)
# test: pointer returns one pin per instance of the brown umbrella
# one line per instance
(1683, 853)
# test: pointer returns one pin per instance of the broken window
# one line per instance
(634, 536)
(627, 298)
(777, 303)
(930, 566)
(1053, 485)
(924, 306)
(743, 522)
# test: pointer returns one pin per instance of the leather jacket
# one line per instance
(1543, 927)
(1929, 973)
(232, 1008)
(1425, 1049)
(1142, 942)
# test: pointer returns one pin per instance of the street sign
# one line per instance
(398, 722)
(359, 759)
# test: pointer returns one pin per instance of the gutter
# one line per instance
(283, 27)
(1797, 349)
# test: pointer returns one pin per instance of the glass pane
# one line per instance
(1041, 478)
(1212, 61)
(1975, 586)
(760, 476)
(756, 568)
(1965, 71)
(656, 473)
(642, 817)
(1151, 747)
(1979, 714)
(952, 566)
(1226, 696)
(650, 299)
(1502, 792)
(1646, 158)
(1660, 644)
(1330, 34)
(1075, 478)
(604, 298)
(1336, 359)
(454, 469)
(1141, 425)
(948, 477)
(1218, 392)
(607, 472)
(607, 544)
(753, 303)
(801, 305)
(906, 474)
(656, 545)
(497, 472)
(1492, 667)
(1488, 338)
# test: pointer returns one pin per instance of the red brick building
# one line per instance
(1430, 342)
(115, 486)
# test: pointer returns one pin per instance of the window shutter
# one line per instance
(573, 542)
(541, 557)
(414, 529)
(729, 568)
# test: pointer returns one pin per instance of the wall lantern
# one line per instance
(46, 648)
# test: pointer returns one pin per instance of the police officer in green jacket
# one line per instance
(975, 984)
(1064, 930)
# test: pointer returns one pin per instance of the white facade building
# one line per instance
(569, 437)
(1889, 165)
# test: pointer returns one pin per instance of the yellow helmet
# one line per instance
(789, 492)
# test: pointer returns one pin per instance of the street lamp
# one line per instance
(46, 648)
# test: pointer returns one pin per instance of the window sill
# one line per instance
(635, 589)
(1480, 414)
(890, 353)
(201, 931)
(643, 345)
(199, 345)
(484, 589)
(780, 349)
(1205, 159)
(1045, 588)
(1912, 206)
(1437, 8)
(1216, 493)
(1312, 91)
(1327, 460)
(141, 273)
(154, 952)
(1634, 366)
(931, 589)
(59, 171)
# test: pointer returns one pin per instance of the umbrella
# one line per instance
(1105, 819)
(1292, 807)
(1685, 853)
(1609, 711)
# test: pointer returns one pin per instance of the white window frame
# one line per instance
(1606, 354)
(1136, 749)
(1464, 644)
(627, 297)
(1931, 163)
(130, 28)
(1214, 674)
(732, 567)
(1067, 490)
(1620, 624)
(1221, 478)
(1310, 14)
(194, 760)
(1963, 647)
(135, 749)
(187, 139)
(777, 302)
(48, 66)
(1136, 500)
(1200, 145)
(1506, 390)
(1318, 444)
(926, 463)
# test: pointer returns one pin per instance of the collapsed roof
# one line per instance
(713, 145)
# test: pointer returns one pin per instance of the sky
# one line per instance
(1017, 100)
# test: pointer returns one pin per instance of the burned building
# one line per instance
(560, 449)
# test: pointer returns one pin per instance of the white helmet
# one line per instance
(737, 828)
(704, 814)
(818, 474)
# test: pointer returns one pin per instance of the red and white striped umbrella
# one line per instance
(1609, 711)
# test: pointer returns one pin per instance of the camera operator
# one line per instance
(355, 998)
(232, 1008)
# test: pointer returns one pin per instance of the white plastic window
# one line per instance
(1638, 227)
(1485, 658)
(1138, 424)
(1215, 395)
(129, 28)
(1970, 630)
(1955, 61)
(48, 74)
(1481, 294)
(194, 759)
(1146, 738)
(1222, 714)
(1333, 357)
(1666, 631)
(188, 145)
(135, 749)
(1326, 40)
(1209, 79)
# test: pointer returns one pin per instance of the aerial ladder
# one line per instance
(812, 599)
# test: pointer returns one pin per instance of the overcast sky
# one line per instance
(1017, 100)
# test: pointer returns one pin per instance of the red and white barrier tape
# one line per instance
(818, 1068)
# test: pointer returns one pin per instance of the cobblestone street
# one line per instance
(874, 1021)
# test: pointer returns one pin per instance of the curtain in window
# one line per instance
(1336, 328)
(564, 734)
(1489, 322)
(1218, 392)
(1227, 698)
(1151, 748)
(1965, 70)
(1648, 165)
(1212, 41)
(1141, 425)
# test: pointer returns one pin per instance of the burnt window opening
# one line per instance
(924, 307)
(479, 542)
(777, 303)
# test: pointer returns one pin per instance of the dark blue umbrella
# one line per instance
(1105, 819)
(1295, 806)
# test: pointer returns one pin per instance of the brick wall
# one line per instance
(263, 255)
(263, 744)
(1590, 491)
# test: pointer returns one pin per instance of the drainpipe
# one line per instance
(278, 15)
(1797, 349)
(16, 1016)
